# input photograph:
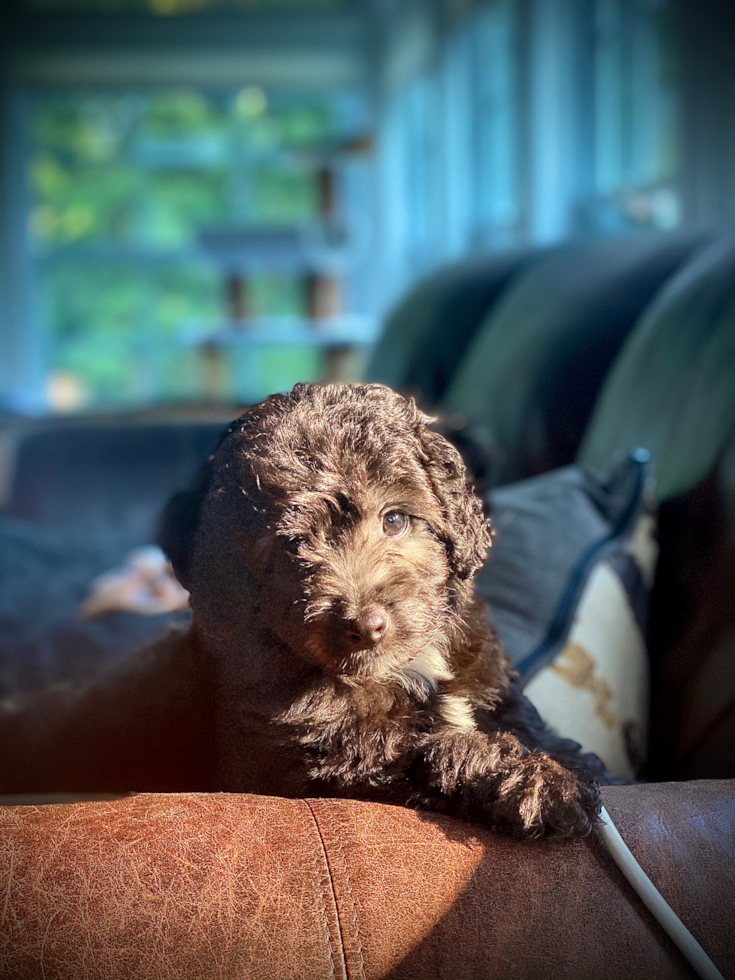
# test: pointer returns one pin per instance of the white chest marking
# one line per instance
(457, 712)
(428, 668)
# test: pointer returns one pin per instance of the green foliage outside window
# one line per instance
(122, 185)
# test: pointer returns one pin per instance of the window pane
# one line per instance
(125, 187)
(635, 110)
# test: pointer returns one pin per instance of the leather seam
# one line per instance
(333, 894)
(338, 846)
(338, 842)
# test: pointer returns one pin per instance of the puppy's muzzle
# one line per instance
(367, 630)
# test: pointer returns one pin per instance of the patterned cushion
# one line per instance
(568, 583)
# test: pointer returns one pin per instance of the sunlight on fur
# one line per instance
(338, 648)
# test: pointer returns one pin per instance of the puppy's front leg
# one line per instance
(494, 779)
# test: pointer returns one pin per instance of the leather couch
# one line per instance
(243, 887)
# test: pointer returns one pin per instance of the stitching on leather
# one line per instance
(333, 895)
(338, 844)
(338, 841)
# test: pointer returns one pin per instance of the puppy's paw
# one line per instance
(538, 797)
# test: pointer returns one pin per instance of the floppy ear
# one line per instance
(467, 533)
(178, 523)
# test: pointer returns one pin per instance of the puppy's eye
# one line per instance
(395, 523)
(292, 547)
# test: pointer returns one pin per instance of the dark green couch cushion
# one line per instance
(672, 389)
(529, 379)
(425, 337)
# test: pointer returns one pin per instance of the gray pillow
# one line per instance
(568, 583)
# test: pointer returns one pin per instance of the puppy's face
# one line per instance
(343, 524)
(356, 581)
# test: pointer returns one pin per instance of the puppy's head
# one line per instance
(337, 518)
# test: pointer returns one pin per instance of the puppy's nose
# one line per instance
(369, 628)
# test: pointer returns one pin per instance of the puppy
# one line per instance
(337, 648)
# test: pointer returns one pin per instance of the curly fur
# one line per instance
(329, 547)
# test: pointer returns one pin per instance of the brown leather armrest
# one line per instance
(233, 887)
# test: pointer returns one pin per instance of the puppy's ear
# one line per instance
(467, 535)
(179, 521)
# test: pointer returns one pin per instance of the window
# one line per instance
(496, 56)
(450, 146)
(129, 187)
(635, 113)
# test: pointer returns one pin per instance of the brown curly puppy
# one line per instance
(337, 647)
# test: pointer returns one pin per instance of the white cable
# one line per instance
(655, 902)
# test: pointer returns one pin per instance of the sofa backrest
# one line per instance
(115, 473)
(529, 379)
(427, 334)
(672, 387)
